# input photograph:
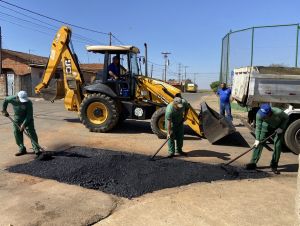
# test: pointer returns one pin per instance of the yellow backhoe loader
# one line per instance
(107, 101)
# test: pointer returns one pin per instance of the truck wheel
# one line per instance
(292, 137)
(99, 113)
(158, 123)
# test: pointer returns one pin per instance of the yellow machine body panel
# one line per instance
(162, 92)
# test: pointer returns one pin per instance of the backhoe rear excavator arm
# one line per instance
(73, 79)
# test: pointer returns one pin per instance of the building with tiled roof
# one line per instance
(23, 71)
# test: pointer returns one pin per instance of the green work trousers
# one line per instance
(19, 135)
(177, 135)
(278, 140)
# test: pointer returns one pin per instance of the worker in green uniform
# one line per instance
(176, 113)
(268, 120)
(24, 118)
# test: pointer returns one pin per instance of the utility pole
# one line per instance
(185, 67)
(195, 78)
(179, 72)
(0, 52)
(110, 38)
(166, 64)
(151, 70)
(30, 53)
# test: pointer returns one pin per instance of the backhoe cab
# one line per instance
(118, 93)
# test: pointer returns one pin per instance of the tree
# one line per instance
(215, 85)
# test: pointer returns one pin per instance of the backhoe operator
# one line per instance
(114, 69)
(175, 115)
(24, 118)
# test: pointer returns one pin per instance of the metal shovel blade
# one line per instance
(215, 126)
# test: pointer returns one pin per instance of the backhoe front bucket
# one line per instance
(55, 91)
(214, 126)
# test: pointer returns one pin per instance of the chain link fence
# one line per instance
(275, 45)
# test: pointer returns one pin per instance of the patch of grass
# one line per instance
(237, 107)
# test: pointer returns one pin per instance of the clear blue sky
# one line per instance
(191, 30)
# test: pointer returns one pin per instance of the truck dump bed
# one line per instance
(259, 84)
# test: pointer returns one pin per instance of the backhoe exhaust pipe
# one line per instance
(146, 59)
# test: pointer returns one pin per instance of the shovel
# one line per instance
(244, 153)
(158, 150)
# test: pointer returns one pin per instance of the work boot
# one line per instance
(182, 153)
(275, 170)
(37, 153)
(22, 151)
(170, 155)
(251, 166)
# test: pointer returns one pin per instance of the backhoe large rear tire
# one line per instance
(99, 113)
(158, 123)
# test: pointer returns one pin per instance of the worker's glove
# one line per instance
(5, 113)
(256, 143)
(22, 128)
(279, 131)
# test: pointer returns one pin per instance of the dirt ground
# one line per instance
(29, 200)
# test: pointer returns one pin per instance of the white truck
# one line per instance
(279, 86)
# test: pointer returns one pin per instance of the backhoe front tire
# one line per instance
(99, 113)
(158, 123)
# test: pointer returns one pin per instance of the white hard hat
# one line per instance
(23, 96)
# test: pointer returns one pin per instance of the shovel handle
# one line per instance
(160, 147)
(26, 133)
(244, 153)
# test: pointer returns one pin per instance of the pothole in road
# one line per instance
(124, 174)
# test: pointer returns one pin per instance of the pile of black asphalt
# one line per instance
(125, 174)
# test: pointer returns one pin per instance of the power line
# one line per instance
(81, 37)
(18, 18)
(160, 65)
(23, 14)
(117, 39)
(51, 25)
(53, 19)
(56, 20)
(34, 29)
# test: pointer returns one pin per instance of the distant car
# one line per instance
(191, 88)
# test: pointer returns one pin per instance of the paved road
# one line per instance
(26, 200)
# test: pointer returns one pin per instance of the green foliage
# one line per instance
(215, 85)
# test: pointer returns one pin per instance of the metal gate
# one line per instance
(10, 84)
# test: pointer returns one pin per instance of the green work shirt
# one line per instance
(175, 115)
(278, 119)
(23, 111)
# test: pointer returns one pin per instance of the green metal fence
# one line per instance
(259, 46)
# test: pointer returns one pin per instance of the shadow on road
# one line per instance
(133, 127)
(125, 174)
(234, 139)
(207, 153)
(284, 168)
(74, 120)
